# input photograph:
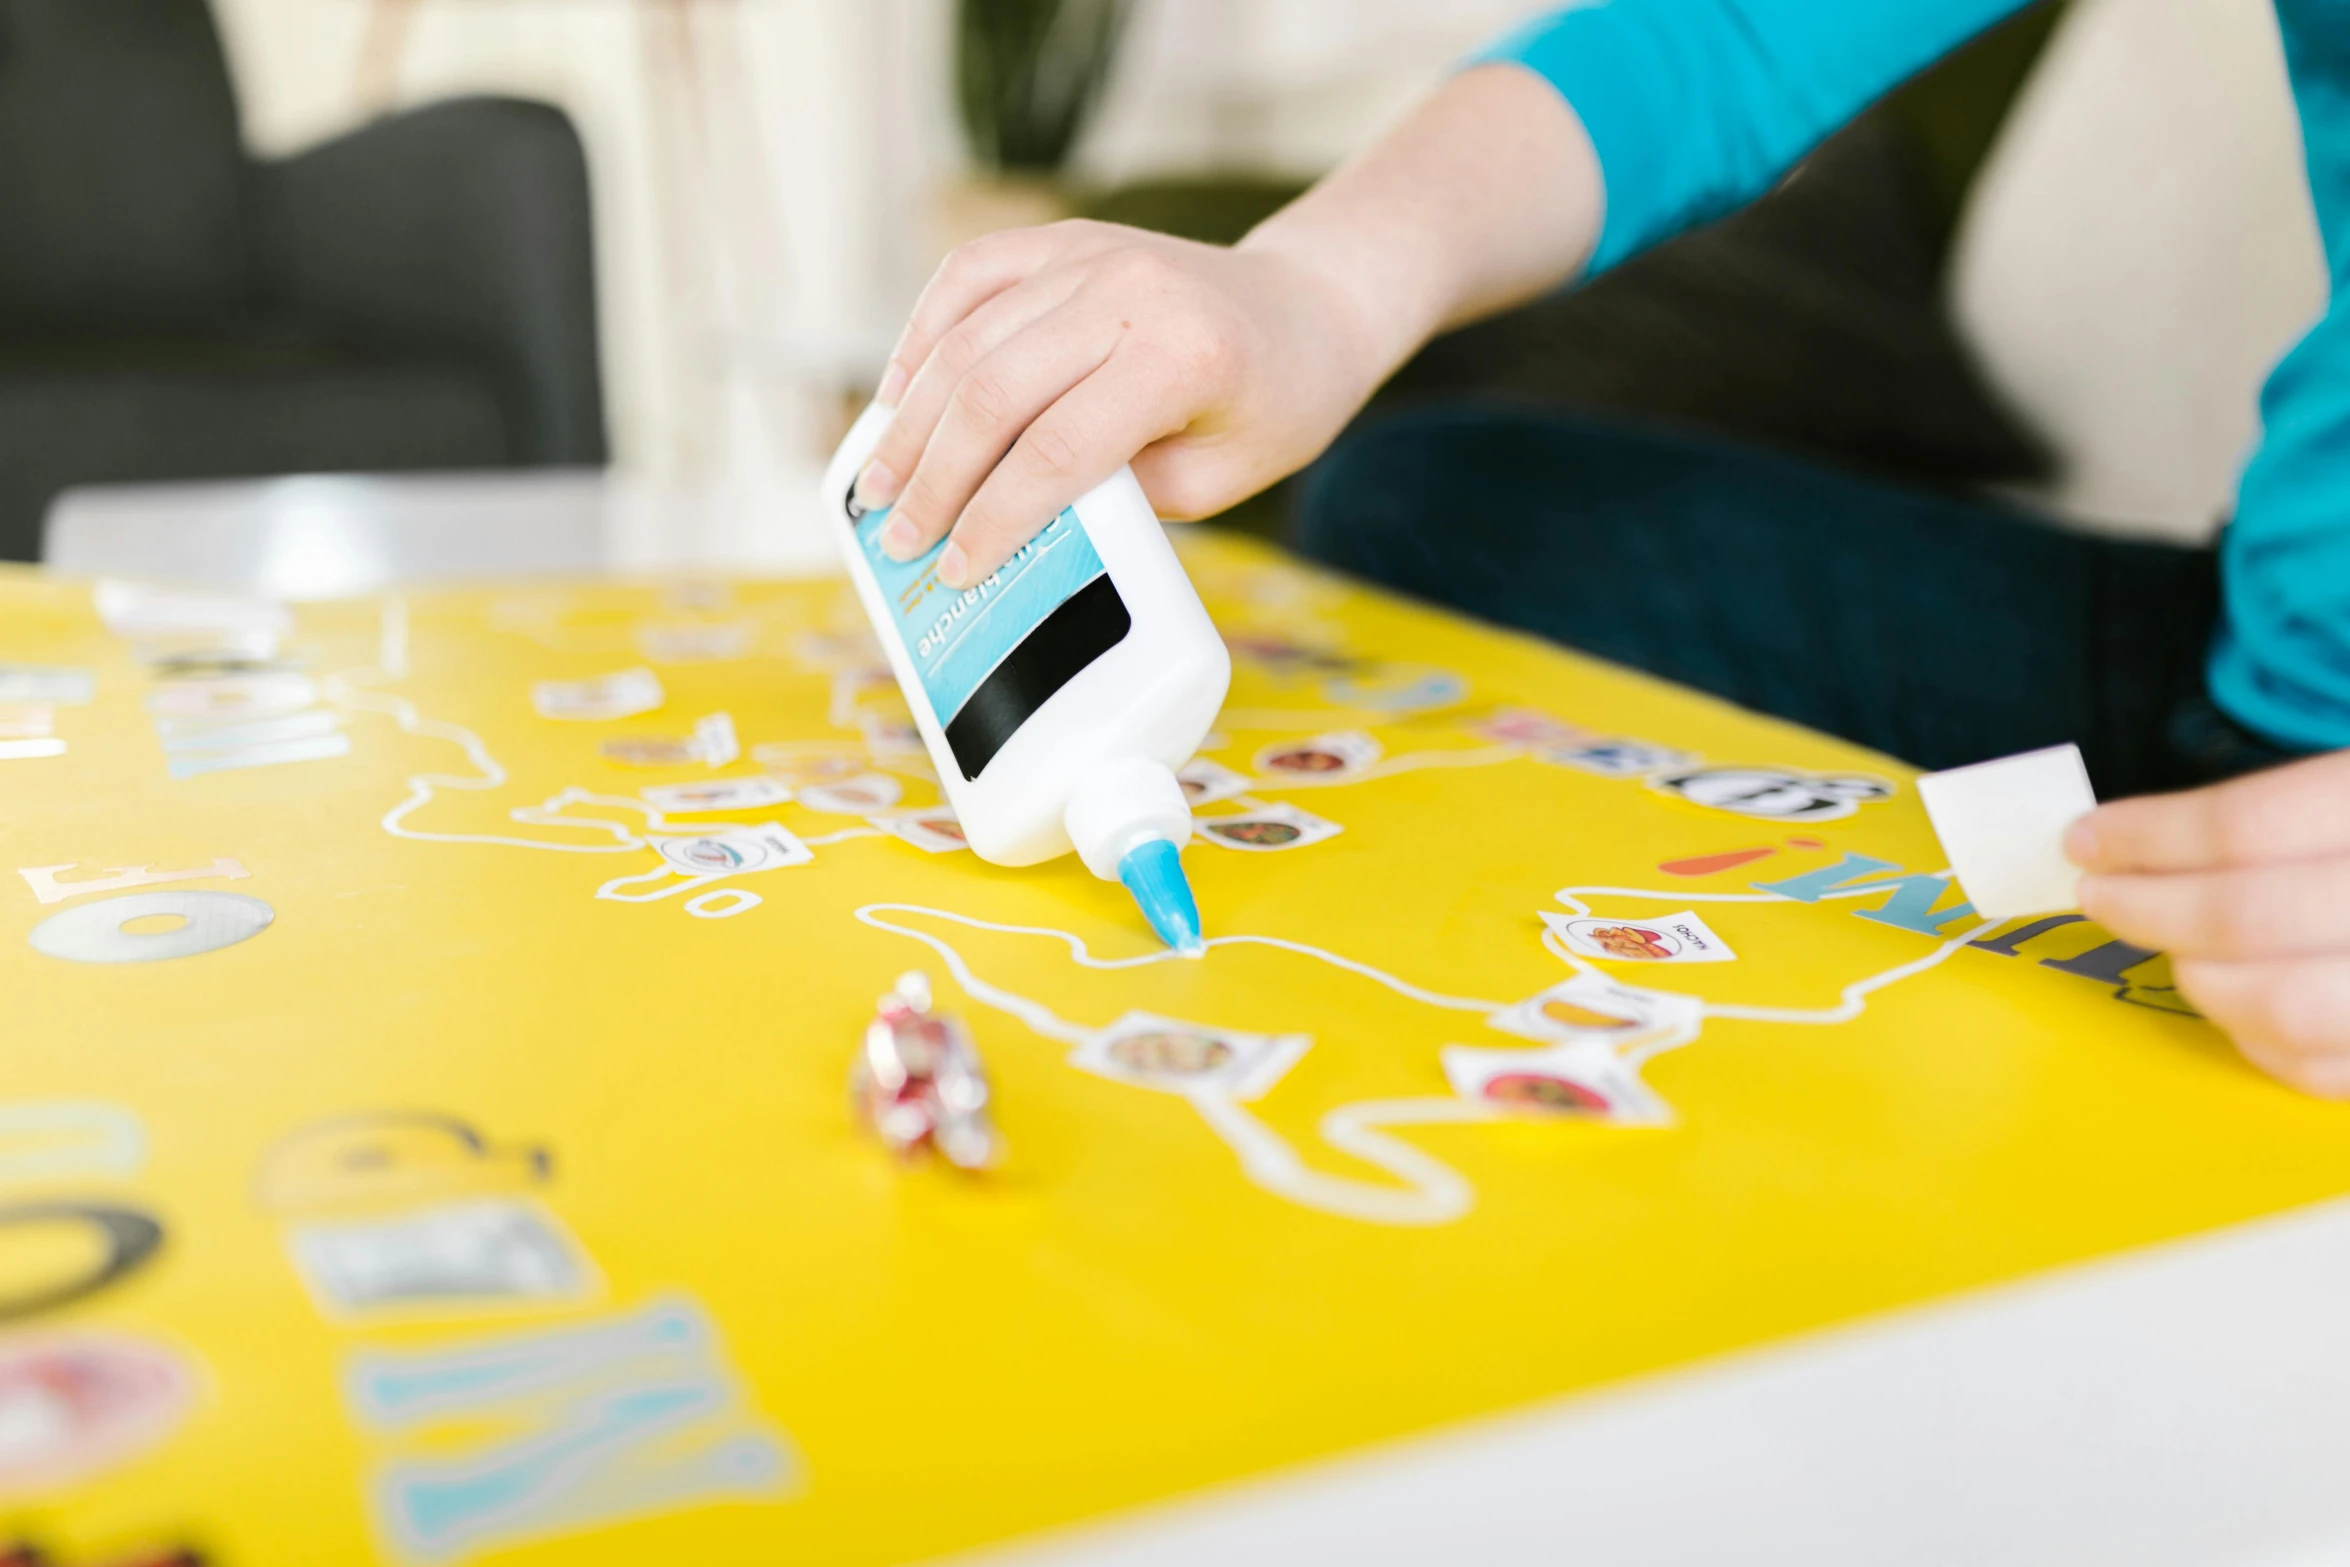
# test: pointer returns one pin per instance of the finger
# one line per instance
(985, 416)
(1066, 450)
(972, 274)
(2260, 911)
(926, 398)
(2291, 1019)
(2286, 813)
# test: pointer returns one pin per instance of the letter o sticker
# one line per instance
(94, 932)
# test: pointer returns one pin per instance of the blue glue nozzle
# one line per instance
(1153, 872)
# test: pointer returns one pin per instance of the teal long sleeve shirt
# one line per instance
(1697, 106)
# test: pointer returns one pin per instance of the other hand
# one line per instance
(2247, 886)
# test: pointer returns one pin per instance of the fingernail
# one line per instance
(2080, 842)
(876, 487)
(894, 381)
(898, 540)
(952, 564)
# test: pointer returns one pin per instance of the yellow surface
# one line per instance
(1119, 1313)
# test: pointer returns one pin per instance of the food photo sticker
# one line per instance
(735, 852)
(624, 695)
(1593, 1007)
(1321, 757)
(888, 735)
(1564, 1080)
(937, 832)
(1617, 758)
(859, 795)
(1775, 794)
(1265, 831)
(1189, 1058)
(45, 685)
(1205, 782)
(77, 1404)
(494, 1249)
(1667, 938)
(720, 794)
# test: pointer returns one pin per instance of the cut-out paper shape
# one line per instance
(1530, 727)
(192, 924)
(516, 1437)
(719, 794)
(1265, 831)
(44, 1139)
(1282, 656)
(797, 768)
(1189, 1058)
(888, 735)
(48, 889)
(622, 695)
(1617, 758)
(1322, 757)
(1715, 864)
(383, 1159)
(937, 832)
(1779, 794)
(497, 1249)
(697, 644)
(1205, 782)
(68, 1251)
(1668, 938)
(142, 610)
(1583, 1079)
(1398, 688)
(27, 733)
(2003, 824)
(46, 684)
(712, 744)
(859, 795)
(74, 1405)
(270, 693)
(1593, 1007)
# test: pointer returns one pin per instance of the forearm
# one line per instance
(1487, 195)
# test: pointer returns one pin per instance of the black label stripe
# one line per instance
(1088, 624)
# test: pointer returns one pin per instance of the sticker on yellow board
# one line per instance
(424, 1134)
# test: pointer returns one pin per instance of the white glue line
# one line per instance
(1432, 1191)
(1854, 993)
(1083, 956)
(423, 786)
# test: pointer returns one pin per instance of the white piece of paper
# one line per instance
(2002, 824)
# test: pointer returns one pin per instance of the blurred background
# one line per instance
(253, 237)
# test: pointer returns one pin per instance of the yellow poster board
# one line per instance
(426, 1138)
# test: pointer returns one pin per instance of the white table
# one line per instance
(2189, 1404)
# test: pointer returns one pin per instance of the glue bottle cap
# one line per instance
(1128, 821)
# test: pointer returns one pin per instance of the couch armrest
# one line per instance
(461, 229)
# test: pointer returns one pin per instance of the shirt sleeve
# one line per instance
(1696, 107)
(2281, 662)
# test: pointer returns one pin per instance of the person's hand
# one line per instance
(2247, 886)
(1041, 359)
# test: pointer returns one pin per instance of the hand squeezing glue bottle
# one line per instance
(1058, 695)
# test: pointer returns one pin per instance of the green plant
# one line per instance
(1028, 72)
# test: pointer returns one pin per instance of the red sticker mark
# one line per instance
(1807, 843)
(1713, 864)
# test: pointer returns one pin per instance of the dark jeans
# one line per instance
(1936, 629)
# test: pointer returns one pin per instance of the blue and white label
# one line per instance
(957, 639)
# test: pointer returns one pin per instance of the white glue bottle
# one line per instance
(1058, 696)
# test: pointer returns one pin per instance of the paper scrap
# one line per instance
(2002, 824)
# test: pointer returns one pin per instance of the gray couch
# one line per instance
(416, 295)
